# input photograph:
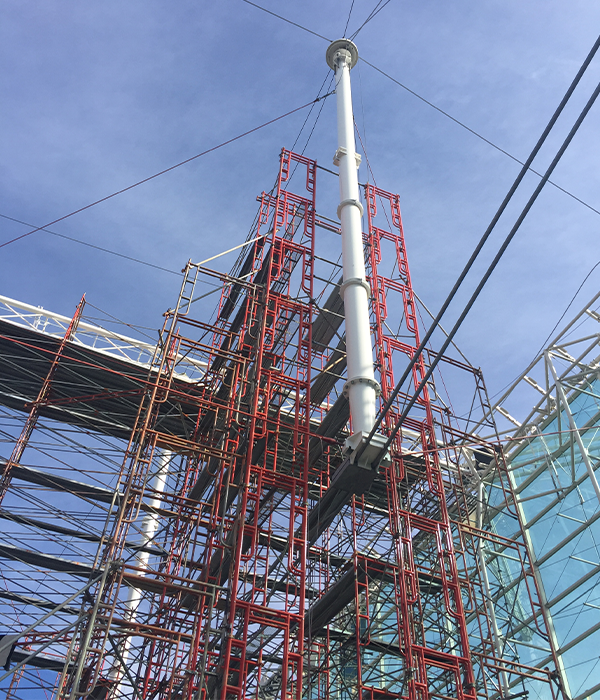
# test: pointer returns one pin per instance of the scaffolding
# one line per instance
(202, 527)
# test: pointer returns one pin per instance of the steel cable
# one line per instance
(376, 10)
(431, 104)
(475, 294)
(484, 239)
(166, 170)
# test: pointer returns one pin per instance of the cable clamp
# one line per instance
(341, 151)
(355, 280)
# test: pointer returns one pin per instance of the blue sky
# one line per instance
(96, 96)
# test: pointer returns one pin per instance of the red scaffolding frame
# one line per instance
(267, 565)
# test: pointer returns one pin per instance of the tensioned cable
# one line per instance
(487, 234)
(525, 168)
(118, 320)
(564, 313)
(308, 117)
(458, 350)
(348, 20)
(96, 247)
(289, 21)
(479, 136)
(166, 170)
(312, 131)
(477, 291)
(438, 109)
(376, 10)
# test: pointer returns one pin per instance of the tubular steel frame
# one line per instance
(42, 398)
(272, 573)
(552, 456)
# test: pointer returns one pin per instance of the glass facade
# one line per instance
(552, 458)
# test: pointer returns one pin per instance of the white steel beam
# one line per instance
(575, 430)
(88, 335)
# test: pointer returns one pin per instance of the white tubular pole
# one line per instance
(361, 387)
(148, 529)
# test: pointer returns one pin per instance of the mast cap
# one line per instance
(338, 44)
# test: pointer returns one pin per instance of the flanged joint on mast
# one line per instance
(361, 389)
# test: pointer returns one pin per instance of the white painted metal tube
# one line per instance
(148, 530)
(361, 387)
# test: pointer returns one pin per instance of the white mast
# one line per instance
(361, 388)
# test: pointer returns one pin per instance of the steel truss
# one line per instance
(243, 554)
(553, 456)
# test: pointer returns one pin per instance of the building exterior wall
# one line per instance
(552, 455)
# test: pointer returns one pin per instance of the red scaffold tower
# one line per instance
(275, 566)
(259, 544)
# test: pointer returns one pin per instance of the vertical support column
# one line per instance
(148, 530)
(361, 389)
